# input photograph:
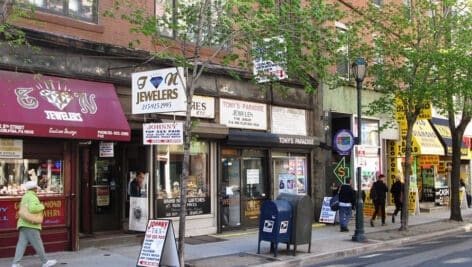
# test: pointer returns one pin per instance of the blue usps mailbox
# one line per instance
(275, 223)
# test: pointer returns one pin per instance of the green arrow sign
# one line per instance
(341, 171)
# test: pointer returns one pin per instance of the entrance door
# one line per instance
(243, 188)
(100, 192)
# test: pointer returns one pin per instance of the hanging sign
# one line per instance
(163, 133)
(159, 247)
(106, 150)
(343, 141)
(158, 91)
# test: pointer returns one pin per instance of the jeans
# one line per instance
(344, 216)
(33, 236)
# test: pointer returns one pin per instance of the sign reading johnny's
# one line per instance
(158, 91)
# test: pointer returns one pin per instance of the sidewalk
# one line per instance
(240, 249)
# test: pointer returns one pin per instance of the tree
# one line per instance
(298, 35)
(453, 94)
(407, 47)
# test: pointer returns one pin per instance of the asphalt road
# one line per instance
(451, 251)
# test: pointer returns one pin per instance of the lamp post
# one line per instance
(359, 69)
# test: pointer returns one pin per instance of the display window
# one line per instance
(290, 173)
(169, 164)
(47, 173)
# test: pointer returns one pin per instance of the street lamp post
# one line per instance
(359, 69)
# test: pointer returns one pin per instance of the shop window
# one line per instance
(290, 174)
(169, 162)
(48, 173)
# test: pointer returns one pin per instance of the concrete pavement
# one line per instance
(240, 248)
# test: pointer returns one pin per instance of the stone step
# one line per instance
(111, 239)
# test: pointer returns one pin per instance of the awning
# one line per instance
(426, 139)
(46, 106)
(442, 128)
(253, 138)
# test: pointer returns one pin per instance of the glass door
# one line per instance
(254, 189)
(231, 193)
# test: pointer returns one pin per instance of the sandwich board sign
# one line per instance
(159, 247)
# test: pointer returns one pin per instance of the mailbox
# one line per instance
(275, 224)
(302, 219)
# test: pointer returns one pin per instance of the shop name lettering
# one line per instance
(171, 79)
(296, 140)
(58, 98)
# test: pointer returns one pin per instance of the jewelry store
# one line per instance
(44, 123)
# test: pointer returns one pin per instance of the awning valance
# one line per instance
(442, 128)
(46, 106)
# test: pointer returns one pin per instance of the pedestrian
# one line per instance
(378, 194)
(136, 185)
(347, 198)
(30, 232)
(467, 195)
(397, 193)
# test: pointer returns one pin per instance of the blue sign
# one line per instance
(343, 142)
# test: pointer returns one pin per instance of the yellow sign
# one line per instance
(426, 138)
(425, 111)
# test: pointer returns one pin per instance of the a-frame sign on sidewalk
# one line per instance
(159, 247)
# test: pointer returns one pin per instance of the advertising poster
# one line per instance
(326, 214)
(287, 183)
(138, 213)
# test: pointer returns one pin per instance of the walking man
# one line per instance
(397, 193)
(378, 194)
(347, 198)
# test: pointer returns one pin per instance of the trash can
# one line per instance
(302, 219)
(275, 224)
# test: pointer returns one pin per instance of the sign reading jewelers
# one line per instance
(158, 91)
(244, 115)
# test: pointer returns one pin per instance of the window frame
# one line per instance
(65, 9)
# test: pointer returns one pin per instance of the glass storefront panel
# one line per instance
(290, 173)
(47, 173)
(169, 164)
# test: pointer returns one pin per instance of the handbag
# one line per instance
(334, 201)
(25, 214)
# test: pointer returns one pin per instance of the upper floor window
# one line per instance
(178, 20)
(342, 61)
(77, 9)
(378, 3)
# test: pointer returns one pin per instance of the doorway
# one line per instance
(100, 191)
(243, 187)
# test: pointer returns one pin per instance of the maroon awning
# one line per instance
(39, 105)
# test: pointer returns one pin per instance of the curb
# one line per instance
(373, 245)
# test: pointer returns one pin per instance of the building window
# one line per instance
(77, 9)
(378, 3)
(177, 12)
(342, 61)
(169, 161)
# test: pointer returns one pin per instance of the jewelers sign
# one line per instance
(244, 115)
(158, 91)
(163, 133)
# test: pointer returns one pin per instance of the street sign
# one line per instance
(341, 171)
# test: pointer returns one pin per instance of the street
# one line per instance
(450, 251)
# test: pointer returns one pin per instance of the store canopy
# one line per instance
(46, 106)
(426, 139)
(442, 129)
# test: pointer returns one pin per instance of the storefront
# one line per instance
(426, 150)
(44, 123)
(259, 165)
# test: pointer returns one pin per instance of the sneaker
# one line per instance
(50, 263)
(16, 265)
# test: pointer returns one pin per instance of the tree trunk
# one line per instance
(5, 8)
(406, 187)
